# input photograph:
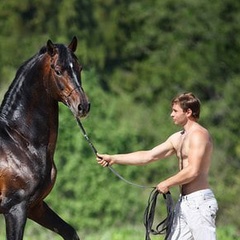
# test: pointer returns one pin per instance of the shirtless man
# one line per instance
(196, 209)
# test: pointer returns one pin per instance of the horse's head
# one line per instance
(65, 77)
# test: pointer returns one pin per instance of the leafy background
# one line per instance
(137, 55)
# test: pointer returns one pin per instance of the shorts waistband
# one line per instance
(197, 194)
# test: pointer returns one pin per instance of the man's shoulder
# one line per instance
(176, 136)
(200, 130)
(200, 134)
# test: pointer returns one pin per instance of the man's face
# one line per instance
(178, 115)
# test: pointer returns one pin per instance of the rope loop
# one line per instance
(164, 227)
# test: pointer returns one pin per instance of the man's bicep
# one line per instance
(197, 149)
(163, 150)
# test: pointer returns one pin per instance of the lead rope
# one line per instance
(164, 226)
(95, 152)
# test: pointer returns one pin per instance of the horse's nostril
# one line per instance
(80, 107)
(89, 106)
(84, 109)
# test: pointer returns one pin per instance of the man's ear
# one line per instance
(189, 112)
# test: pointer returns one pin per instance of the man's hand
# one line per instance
(162, 187)
(104, 159)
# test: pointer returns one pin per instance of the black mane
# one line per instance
(20, 75)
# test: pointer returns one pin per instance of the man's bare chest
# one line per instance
(182, 150)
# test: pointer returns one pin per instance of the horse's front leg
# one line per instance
(46, 217)
(15, 220)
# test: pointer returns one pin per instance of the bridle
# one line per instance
(164, 226)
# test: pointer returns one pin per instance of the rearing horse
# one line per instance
(28, 134)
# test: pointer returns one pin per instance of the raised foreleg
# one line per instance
(46, 217)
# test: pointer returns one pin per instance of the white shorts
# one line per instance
(194, 217)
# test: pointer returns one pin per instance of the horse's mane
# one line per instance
(20, 76)
(29, 62)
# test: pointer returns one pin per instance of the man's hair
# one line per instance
(188, 101)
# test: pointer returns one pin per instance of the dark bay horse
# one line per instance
(28, 134)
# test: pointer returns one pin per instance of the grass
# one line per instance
(34, 231)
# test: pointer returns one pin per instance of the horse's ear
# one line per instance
(73, 44)
(51, 48)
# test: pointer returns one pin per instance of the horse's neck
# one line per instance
(28, 108)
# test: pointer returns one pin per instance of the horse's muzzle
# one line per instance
(78, 103)
(84, 109)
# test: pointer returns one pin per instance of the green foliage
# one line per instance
(136, 56)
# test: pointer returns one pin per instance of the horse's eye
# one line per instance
(58, 72)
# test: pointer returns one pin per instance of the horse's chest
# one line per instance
(44, 173)
(47, 182)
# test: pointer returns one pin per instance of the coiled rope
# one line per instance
(164, 227)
